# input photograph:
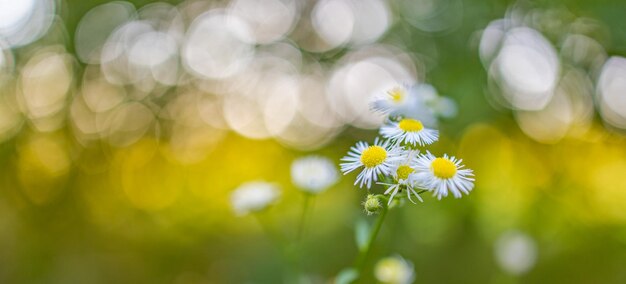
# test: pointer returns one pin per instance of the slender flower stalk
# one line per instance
(306, 208)
(359, 265)
(312, 175)
(383, 209)
(270, 232)
(298, 247)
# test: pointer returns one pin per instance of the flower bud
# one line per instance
(372, 204)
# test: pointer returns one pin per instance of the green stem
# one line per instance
(297, 249)
(308, 198)
(359, 265)
(277, 239)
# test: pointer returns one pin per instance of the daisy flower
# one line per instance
(396, 98)
(253, 197)
(516, 252)
(394, 270)
(375, 160)
(313, 174)
(443, 174)
(404, 178)
(411, 102)
(409, 131)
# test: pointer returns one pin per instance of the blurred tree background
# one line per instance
(124, 126)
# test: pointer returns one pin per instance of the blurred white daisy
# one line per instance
(394, 270)
(313, 174)
(443, 174)
(409, 131)
(394, 100)
(376, 159)
(403, 174)
(516, 252)
(409, 102)
(253, 196)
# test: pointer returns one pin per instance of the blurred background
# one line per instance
(125, 126)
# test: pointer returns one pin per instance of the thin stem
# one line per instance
(297, 248)
(276, 238)
(308, 198)
(359, 265)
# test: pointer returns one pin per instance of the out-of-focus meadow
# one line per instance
(125, 126)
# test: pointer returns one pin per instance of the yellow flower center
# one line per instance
(404, 171)
(373, 156)
(397, 94)
(443, 168)
(410, 125)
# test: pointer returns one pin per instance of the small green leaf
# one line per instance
(362, 232)
(346, 276)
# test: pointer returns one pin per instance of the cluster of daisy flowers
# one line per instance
(397, 159)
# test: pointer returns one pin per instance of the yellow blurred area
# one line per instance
(506, 170)
(146, 176)
(43, 165)
(578, 177)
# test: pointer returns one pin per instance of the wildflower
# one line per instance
(443, 174)
(313, 174)
(394, 270)
(396, 99)
(409, 131)
(376, 159)
(404, 177)
(409, 102)
(253, 197)
(515, 252)
(372, 204)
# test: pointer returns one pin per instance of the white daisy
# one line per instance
(443, 174)
(253, 197)
(376, 159)
(404, 177)
(409, 131)
(394, 270)
(313, 174)
(411, 102)
(516, 252)
(395, 99)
